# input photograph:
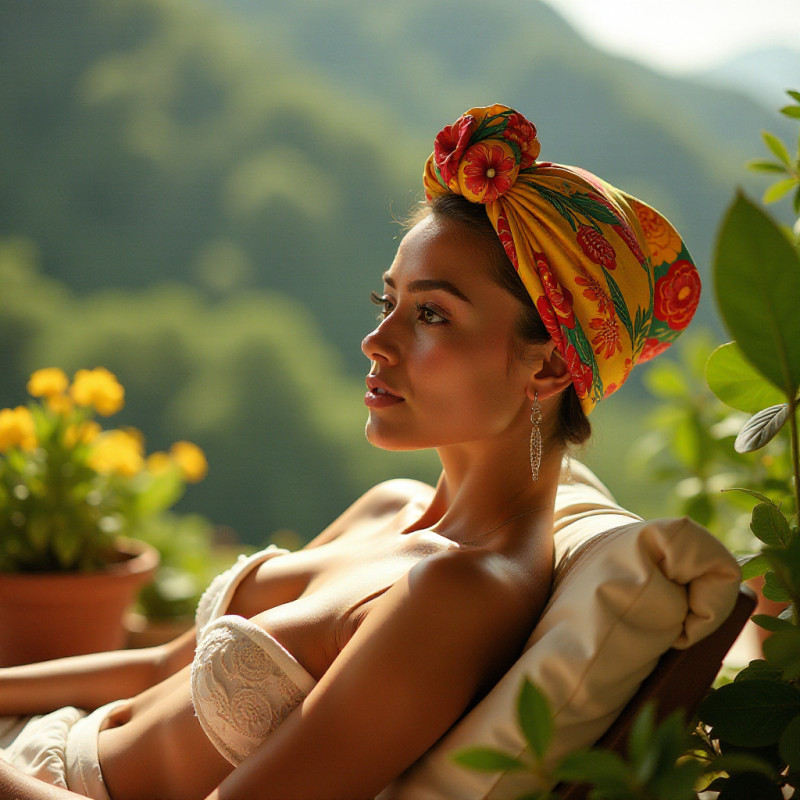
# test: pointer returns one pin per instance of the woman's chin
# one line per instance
(385, 440)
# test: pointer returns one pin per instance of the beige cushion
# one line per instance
(625, 591)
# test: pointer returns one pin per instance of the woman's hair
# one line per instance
(573, 425)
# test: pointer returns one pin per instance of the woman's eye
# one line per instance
(429, 316)
(384, 302)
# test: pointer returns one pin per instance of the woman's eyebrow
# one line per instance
(426, 284)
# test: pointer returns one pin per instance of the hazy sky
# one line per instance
(684, 35)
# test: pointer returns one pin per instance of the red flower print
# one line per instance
(596, 247)
(677, 294)
(607, 336)
(652, 347)
(450, 144)
(488, 171)
(504, 232)
(550, 320)
(523, 133)
(595, 292)
(626, 370)
(581, 373)
(625, 232)
(558, 297)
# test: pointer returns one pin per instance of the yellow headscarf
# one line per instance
(610, 277)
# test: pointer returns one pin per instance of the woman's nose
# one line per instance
(377, 345)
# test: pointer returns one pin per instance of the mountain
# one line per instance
(764, 75)
(244, 144)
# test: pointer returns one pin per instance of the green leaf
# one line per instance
(599, 767)
(793, 94)
(743, 762)
(750, 713)
(773, 624)
(640, 741)
(757, 280)
(789, 743)
(779, 189)
(773, 589)
(766, 166)
(753, 567)
(769, 525)
(735, 381)
(791, 111)
(782, 650)
(535, 719)
(484, 759)
(777, 147)
(796, 202)
(66, 546)
(750, 786)
(759, 670)
(677, 781)
(785, 563)
(761, 428)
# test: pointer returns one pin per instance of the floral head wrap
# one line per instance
(610, 277)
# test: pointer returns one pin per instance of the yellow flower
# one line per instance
(118, 452)
(99, 388)
(48, 382)
(84, 433)
(17, 429)
(60, 404)
(158, 463)
(190, 460)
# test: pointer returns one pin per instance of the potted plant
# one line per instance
(73, 498)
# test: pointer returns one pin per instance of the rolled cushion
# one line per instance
(625, 591)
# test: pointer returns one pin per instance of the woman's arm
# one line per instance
(91, 680)
(15, 784)
(431, 643)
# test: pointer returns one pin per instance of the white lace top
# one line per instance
(244, 683)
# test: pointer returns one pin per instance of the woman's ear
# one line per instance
(551, 375)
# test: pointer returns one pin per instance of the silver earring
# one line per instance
(536, 437)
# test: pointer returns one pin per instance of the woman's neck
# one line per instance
(476, 491)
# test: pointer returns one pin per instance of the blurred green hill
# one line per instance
(200, 197)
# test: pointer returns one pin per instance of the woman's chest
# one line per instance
(313, 601)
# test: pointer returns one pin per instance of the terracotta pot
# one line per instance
(50, 615)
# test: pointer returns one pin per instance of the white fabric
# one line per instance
(624, 592)
(59, 748)
(244, 683)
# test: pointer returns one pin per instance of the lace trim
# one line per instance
(217, 595)
(244, 684)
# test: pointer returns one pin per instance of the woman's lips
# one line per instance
(376, 398)
(378, 394)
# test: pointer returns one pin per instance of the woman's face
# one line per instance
(443, 366)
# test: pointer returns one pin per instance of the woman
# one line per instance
(522, 294)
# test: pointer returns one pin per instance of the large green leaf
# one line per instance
(735, 381)
(757, 281)
(751, 713)
(761, 428)
(485, 759)
(535, 718)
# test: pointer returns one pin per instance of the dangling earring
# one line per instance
(536, 437)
